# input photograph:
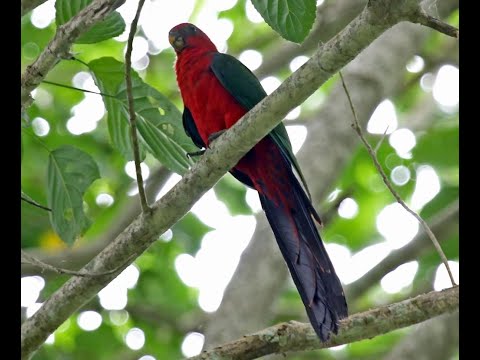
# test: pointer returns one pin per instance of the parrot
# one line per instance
(217, 90)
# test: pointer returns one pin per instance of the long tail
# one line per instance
(291, 216)
(308, 261)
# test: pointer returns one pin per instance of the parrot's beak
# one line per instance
(176, 40)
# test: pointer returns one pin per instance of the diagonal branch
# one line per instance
(60, 45)
(371, 152)
(224, 154)
(295, 336)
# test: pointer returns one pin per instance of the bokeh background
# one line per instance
(168, 303)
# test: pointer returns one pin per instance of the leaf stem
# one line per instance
(34, 203)
(78, 89)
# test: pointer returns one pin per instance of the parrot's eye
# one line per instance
(193, 29)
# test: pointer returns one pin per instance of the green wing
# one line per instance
(244, 86)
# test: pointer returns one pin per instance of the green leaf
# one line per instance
(158, 121)
(108, 75)
(292, 19)
(113, 25)
(70, 172)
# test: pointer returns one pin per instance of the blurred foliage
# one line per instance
(161, 304)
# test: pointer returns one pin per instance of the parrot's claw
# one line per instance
(215, 135)
(195, 153)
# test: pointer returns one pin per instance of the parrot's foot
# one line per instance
(215, 135)
(195, 153)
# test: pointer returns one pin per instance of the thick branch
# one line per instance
(60, 45)
(224, 154)
(295, 336)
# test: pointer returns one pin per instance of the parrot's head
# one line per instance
(187, 35)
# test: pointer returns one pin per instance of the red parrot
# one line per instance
(217, 90)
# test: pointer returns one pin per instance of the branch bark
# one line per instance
(223, 155)
(60, 45)
(295, 336)
(375, 74)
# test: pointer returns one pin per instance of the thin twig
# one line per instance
(131, 108)
(429, 232)
(34, 203)
(78, 89)
(29, 259)
(437, 24)
(381, 140)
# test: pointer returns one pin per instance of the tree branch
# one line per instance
(437, 24)
(59, 46)
(223, 155)
(295, 336)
